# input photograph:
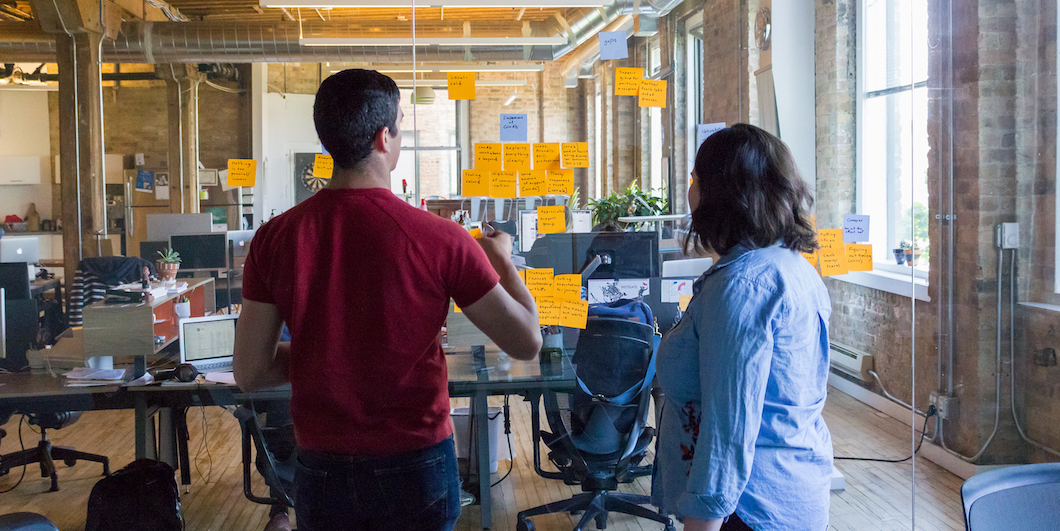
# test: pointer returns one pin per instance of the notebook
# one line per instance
(208, 342)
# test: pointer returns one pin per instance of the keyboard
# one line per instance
(221, 366)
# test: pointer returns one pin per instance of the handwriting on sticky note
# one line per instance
(242, 172)
(517, 157)
(551, 219)
(560, 182)
(461, 85)
(513, 128)
(652, 93)
(540, 282)
(682, 301)
(574, 313)
(476, 183)
(546, 156)
(830, 239)
(855, 228)
(323, 166)
(532, 183)
(833, 262)
(574, 155)
(859, 257)
(811, 258)
(503, 184)
(549, 311)
(569, 287)
(705, 130)
(488, 157)
(613, 45)
(628, 80)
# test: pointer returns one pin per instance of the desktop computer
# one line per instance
(201, 252)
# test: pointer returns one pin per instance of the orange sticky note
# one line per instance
(575, 155)
(652, 93)
(475, 233)
(627, 81)
(833, 262)
(461, 85)
(560, 182)
(522, 275)
(569, 287)
(811, 258)
(859, 257)
(488, 157)
(323, 166)
(574, 313)
(532, 183)
(540, 282)
(546, 156)
(242, 172)
(830, 239)
(682, 301)
(456, 309)
(503, 184)
(476, 183)
(549, 311)
(551, 219)
(517, 157)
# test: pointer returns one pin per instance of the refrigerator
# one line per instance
(222, 202)
(146, 192)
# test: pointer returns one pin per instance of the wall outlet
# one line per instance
(1009, 236)
(946, 406)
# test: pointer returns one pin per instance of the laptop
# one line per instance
(20, 249)
(208, 342)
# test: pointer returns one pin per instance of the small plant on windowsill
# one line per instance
(911, 252)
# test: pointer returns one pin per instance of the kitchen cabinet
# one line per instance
(22, 170)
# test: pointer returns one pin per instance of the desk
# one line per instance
(38, 287)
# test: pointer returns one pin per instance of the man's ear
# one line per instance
(383, 142)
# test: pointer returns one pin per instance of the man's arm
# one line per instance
(507, 313)
(260, 360)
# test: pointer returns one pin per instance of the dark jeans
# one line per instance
(735, 524)
(415, 490)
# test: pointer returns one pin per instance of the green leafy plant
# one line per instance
(630, 202)
(169, 256)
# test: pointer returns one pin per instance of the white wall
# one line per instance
(24, 131)
(793, 76)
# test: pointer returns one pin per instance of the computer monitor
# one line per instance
(208, 342)
(161, 226)
(201, 252)
(14, 281)
(622, 254)
(240, 240)
(24, 249)
(149, 250)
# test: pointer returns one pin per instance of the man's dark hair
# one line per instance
(750, 193)
(351, 107)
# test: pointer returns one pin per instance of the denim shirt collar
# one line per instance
(734, 254)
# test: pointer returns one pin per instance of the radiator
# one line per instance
(851, 361)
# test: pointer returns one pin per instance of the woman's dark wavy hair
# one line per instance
(750, 193)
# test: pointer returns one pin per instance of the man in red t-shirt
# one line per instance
(363, 281)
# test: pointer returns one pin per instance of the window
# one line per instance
(892, 127)
(694, 90)
(429, 145)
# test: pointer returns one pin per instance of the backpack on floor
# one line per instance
(143, 496)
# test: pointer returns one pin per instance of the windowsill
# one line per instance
(1042, 306)
(896, 283)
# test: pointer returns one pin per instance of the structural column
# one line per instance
(182, 89)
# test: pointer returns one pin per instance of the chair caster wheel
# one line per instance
(524, 525)
(671, 528)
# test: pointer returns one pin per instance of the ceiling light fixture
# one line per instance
(321, 4)
(462, 68)
(442, 41)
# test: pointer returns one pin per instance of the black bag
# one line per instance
(140, 497)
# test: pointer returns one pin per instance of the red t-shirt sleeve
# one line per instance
(468, 274)
(256, 271)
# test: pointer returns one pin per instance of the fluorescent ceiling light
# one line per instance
(441, 41)
(442, 83)
(433, 3)
(462, 68)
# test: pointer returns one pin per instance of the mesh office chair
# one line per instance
(1018, 497)
(599, 434)
(278, 471)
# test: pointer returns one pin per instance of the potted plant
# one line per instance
(899, 255)
(168, 263)
(912, 253)
(631, 202)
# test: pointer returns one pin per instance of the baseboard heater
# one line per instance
(850, 361)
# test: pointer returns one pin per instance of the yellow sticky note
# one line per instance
(549, 311)
(569, 287)
(560, 182)
(461, 85)
(546, 156)
(830, 239)
(627, 81)
(475, 233)
(833, 262)
(532, 183)
(517, 157)
(488, 157)
(811, 258)
(476, 183)
(540, 282)
(551, 219)
(575, 155)
(242, 172)
(574, 313)
(503, 184)
(323, 166)
(652, 93)
(522, 275)
(859, 257)
(456, 309)
(682, 301)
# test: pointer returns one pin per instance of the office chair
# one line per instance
(46, 454)
(600, 440)
(1017, 497)
(278, 474)
(26, 522)
(95, 275)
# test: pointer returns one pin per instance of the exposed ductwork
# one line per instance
(278, 42)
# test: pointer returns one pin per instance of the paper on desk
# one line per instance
(610, 290)
(85, 373)
(221, 377)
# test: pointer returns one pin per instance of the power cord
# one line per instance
(23, 445)
(508, 435)
(931, 412)
(203, 444)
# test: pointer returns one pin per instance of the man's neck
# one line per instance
(370, 174)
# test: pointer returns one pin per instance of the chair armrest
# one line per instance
(251, 431)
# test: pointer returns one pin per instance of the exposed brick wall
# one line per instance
(836, 97)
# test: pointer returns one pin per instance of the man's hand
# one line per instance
(498, 247)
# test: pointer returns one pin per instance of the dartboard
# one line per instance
(311, 183)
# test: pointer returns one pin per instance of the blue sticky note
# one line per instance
(145, 181)
(855, 228)
(705, 130)
(513, 128)
(324, 150)
(613, 45)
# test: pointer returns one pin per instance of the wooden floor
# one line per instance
(878, 495)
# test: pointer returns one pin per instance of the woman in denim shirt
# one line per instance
(742, 444)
